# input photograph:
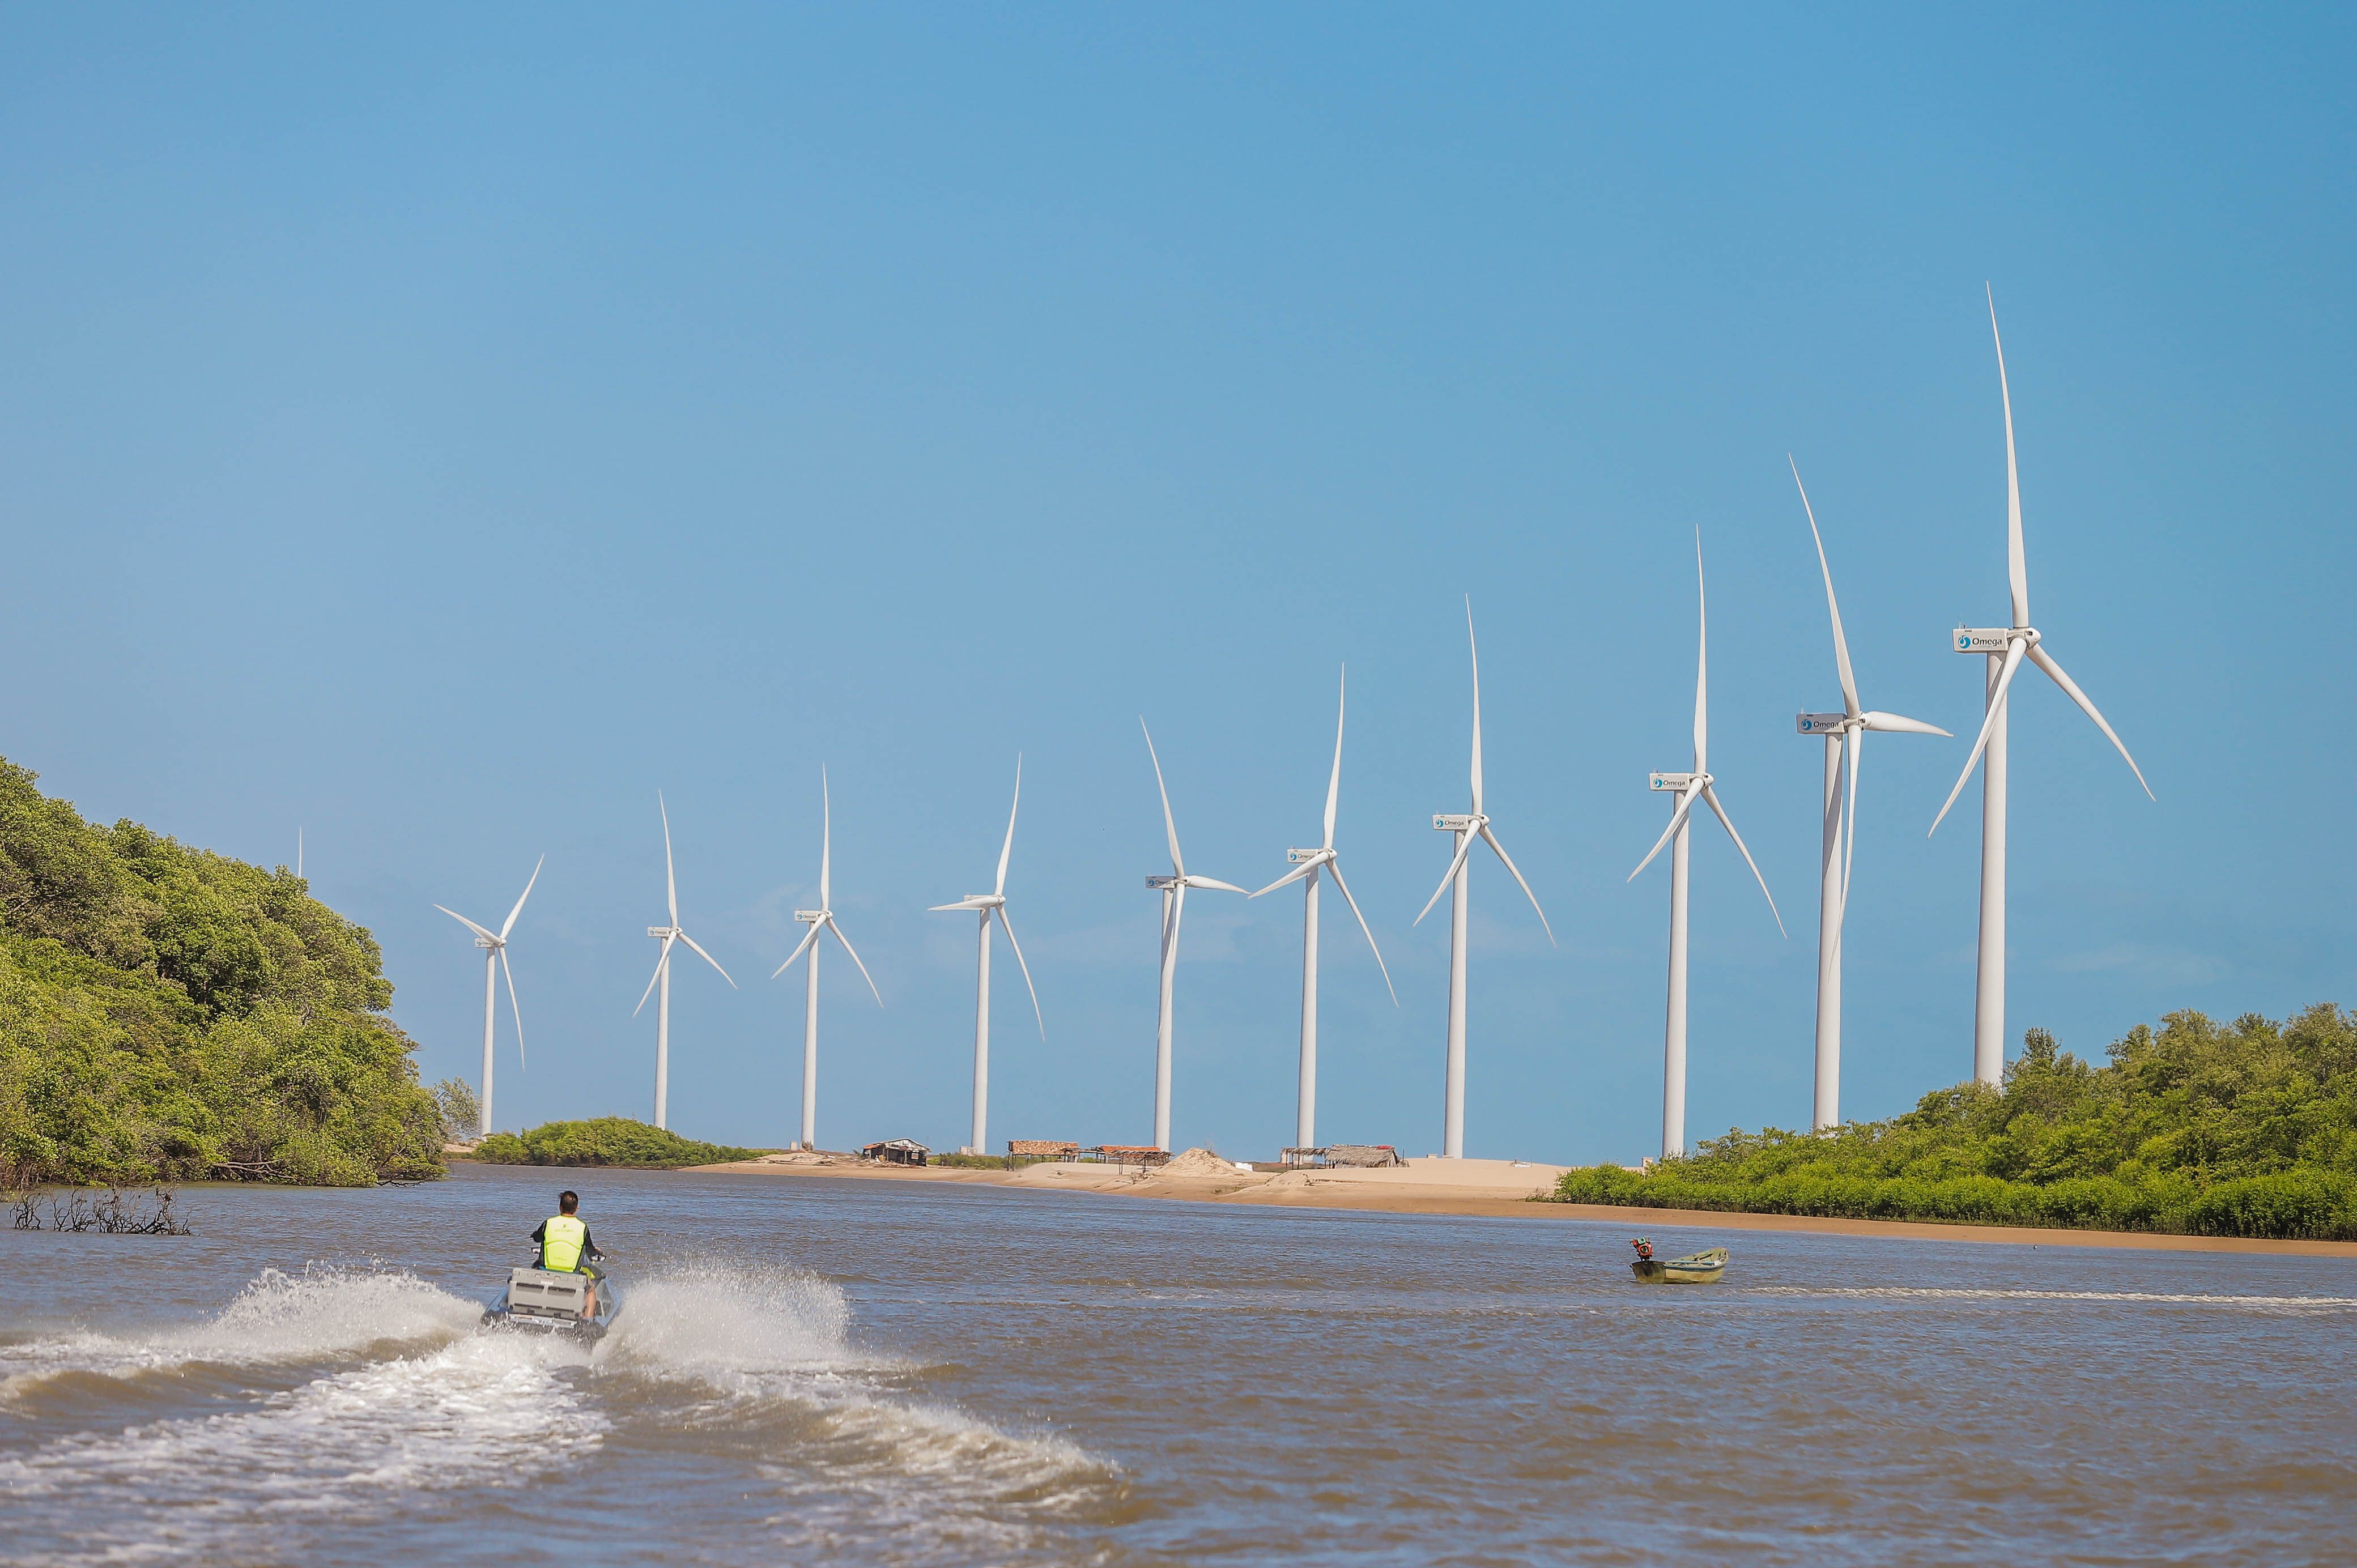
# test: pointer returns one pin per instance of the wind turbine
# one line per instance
(1308, 863)
(668, 935)
(1173, 889)
(1690, 788)
(1460, 870)
(2005, 648)
(495, 963)
(820, 920)
(987, 905)
(1846, 729)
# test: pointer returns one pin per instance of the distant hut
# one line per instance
(897, 1152)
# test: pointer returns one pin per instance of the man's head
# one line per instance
(566, 1202)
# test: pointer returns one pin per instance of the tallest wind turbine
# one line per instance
(1690, 788)
(1472, 824)
(2005, 648)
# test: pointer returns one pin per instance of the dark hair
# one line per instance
(566, 1202)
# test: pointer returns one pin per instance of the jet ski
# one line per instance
(544, 1301)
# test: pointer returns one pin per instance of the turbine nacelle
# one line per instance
(1991, 639)
(811, 916)
(662, 933)
(1163, 884)
(1304, 856)
(1678, 782)
(1451, 823)
(489, 944)
(1823, 724)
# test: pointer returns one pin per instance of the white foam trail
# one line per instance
(488, 1410)
(781, 1337)
(320, 1315)
(1908, 1292)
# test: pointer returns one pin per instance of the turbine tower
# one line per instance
(662, 981)
(1690, 788)
(1173, 889)
(1466, 828)
(495, 963)
(987, 905)
(819, 919)
(1307, 865)
(1843, 731)
(2005, 647)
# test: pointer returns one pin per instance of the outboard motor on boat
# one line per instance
(552, 1302)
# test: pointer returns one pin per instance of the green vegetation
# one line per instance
(605, 1141)
(168, 1014)
(2247, 1129)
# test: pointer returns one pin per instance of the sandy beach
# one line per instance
(1498, 1189)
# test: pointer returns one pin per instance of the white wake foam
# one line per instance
(321, 1313)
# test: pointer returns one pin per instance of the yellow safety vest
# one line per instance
(561, 1242)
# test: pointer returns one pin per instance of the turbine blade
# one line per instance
(1849, 811)
(519, 904)
(1216, 883)
(2045, 661)
(825, 841)
(671, 877)
(661, 959)
(1677, 817)
(1710, 796)
(1177, 908)
(1008, 847)
(1305, 869)
(2016, 567)
(467, 923)
(1363, 926)
(960, 904)
(1475, 649)
(1169, 825)
(1841, 644)
(1454, 865)
(1980, 742)
(799, 951)
(707, 958)
(854, 958)
(1892, 723)
(1492, 839)
(1701, 666)
(517, 1008)
(1334, 784)
(1008, 926)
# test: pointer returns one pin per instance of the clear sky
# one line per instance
(441, 431)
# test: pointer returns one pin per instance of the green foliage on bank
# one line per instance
(167, 1013)
(2197, 1128)
(605, 1141)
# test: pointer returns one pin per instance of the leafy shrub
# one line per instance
(171, 1014)
(2247, 1129)
(604, 1140)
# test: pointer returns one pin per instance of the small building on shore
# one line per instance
(897, 1152)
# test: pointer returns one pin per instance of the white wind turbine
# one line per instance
(668, 935)
(1308, 863)
(1690, 788)
(820, 920)
(987, 905)
(1461, 872)
(495, 963)
(2005, 648)
(1173, 889)
(1846, 729)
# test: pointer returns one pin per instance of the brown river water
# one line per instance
(816, 1370)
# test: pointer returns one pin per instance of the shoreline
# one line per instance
(1492, 1189)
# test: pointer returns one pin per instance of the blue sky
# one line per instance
(441, 432)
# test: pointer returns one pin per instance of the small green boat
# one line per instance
(1695, 1269)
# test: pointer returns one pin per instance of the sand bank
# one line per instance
(1498, 1189)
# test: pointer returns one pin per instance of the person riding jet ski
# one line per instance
(565, 1247)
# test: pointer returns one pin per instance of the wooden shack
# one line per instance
(897, 1152)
